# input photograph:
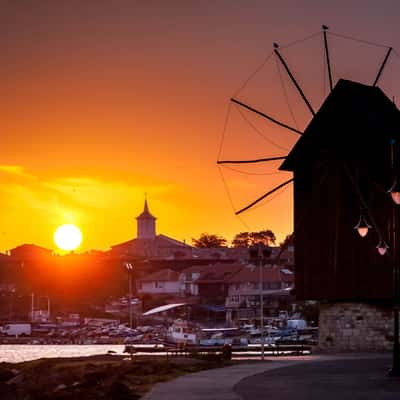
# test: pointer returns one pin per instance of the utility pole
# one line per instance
(32, 306)
(261, 284)
(129, 268)
(258, 256)
(48, 308)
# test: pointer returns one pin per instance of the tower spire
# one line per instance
(146, 223)
(146, 207)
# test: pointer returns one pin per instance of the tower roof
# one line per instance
(146, 213)
(352, 122)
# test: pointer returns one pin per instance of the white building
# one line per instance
(165, 281)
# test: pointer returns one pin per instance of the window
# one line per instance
(235, 299)
(159, 284)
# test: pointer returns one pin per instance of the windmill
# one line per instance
(346, 166)
(296, 85)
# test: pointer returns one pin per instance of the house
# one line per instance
(188, 279)
(213, 282)
(163, 282)
(243, 298)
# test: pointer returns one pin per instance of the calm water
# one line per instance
(21, 352)
(25, 352)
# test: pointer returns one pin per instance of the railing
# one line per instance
(277, 349)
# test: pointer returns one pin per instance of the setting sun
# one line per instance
(68, 237)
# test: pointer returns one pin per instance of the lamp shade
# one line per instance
(382, 247)
(395, 191)
(363, 226)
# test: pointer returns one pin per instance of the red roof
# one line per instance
(162, 275)
(219, 272)
(252, 274)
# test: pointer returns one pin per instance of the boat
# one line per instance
(182, 332)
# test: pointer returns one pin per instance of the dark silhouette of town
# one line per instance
(33, 278)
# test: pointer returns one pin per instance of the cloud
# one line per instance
(14, 171)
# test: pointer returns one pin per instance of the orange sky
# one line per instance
(103, 101)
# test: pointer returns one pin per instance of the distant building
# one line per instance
(214, 281)
(243, 298)
(148, 244)
(146, 224)
(163, 282)
(29, 252)
(188, 279)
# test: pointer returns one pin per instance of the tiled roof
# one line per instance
(158, 242)
(162, 275)
(252, 274)
(219, 272)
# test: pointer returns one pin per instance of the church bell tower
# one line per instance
(146, 224)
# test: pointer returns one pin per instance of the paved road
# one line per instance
(346, 379)
(213, 384)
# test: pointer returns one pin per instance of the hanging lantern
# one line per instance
(395, 191)
(363, 226)
(382, 247)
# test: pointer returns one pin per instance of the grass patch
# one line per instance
(93, 378)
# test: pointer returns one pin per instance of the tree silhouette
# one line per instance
(207, 240)
(248, 239)
(289, 239)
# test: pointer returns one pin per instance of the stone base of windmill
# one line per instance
(356, 327)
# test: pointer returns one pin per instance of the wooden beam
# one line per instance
(275, 121)
(250, 161)
(264, 196)
(328, 63)
(303, 96)
(382, 66)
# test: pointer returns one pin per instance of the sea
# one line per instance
(15, 353)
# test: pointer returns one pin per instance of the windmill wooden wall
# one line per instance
(344, 156)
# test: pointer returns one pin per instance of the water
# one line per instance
(15, 353)
(24, 352)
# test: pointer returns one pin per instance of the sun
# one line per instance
(68, 237)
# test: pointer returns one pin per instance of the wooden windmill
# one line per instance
(346, 167)
(343, 165)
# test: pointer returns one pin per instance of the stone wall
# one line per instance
(355, 327)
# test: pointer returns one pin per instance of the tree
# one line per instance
(207, 240)
(248, 239)
(289, 239)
